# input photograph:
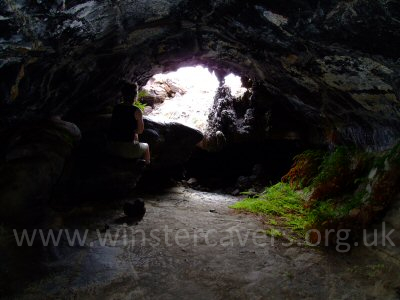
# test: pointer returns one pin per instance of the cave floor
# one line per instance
(195, 247)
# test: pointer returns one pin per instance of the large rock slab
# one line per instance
(32, 163)
(171, 144)
(98, 174)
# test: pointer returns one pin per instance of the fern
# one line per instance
(139, 105)
(142, 94)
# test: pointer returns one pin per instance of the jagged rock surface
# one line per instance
(333, 64)
(32, 164)
(97, 174)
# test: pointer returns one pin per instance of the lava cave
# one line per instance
(288, 190)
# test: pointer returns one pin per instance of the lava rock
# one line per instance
(245, 182)
(34, 161)
(308, 56)
(192, 181)
(99, 177)
(135, 208)
(171, 144)
(97, 174)
(235, 192)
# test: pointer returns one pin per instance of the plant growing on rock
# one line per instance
(304, 169)
(139, 105)
(280, 202)
(138, 102)
(339, 173)
(330, 190)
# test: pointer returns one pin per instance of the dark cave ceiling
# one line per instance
(334, 64)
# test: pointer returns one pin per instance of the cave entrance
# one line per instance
(185, 96)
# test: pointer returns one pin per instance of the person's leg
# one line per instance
(131, 150)
(146, 154)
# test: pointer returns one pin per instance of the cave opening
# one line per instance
(196, 97)
(322, 83)
(186, 95)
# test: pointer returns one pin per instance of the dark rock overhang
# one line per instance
(334, 64)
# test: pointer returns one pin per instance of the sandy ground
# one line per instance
(190, 245)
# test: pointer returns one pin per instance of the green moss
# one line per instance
(340, 173)
(281, 202)
(286, 207)
(272, 222)
(354, 201)
(333, 165)
(274, 232)
(322, 212)
(334, 190)
(332, 210)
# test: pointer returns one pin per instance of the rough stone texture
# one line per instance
(191, 246)
(134, 208)
(253, 117)
(333, 64)
(228, 122)
(95, 173)
(171, 144)
(31, 165)
(159, 90)
(99, 176)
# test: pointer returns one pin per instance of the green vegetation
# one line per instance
(321, 191)
(340, 172)
(272, 222)
(333, 165)
(286, 207)
(304, 169)
(274, 232)
(333, 210)
(138, 102)
(280, 202)
(139, 105)
(142, 94)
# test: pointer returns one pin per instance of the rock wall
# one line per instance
(31, 164)
(43, 166)
(333, 64)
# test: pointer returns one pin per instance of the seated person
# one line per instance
(126, 125)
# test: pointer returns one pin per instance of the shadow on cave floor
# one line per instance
(237, 168)
(243, 165)
(189, 245)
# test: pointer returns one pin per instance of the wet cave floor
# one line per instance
(190, 245)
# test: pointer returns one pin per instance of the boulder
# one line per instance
(135, 208)
(33, 161)
(100, 177)
(171, 144)
(97, 174)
